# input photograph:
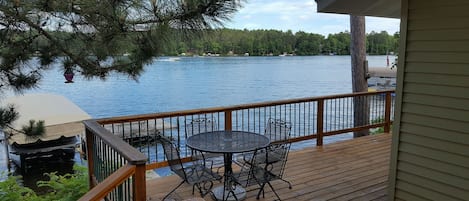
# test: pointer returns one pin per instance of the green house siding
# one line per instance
(431, 145)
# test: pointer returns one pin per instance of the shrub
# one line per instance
(10, 190)
(378, 130)
(66, 187)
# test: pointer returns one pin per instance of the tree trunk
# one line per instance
(359, 83)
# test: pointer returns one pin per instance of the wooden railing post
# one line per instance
(89, 155)
(140, 188)
(133, 173)
(387, 112)
(320, 122)
(228, 120)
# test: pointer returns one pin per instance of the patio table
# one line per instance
(228, 143)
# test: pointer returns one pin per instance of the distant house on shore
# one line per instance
(430, 151)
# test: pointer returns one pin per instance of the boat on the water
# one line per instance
(63, 126)
(170, 59)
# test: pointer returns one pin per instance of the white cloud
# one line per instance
(300, 16)
(382, 24)
(285, 17)
(252, 26)
(247, 17)
(278, 6)
(328, 29)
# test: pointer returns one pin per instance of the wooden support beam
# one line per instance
(320, 122)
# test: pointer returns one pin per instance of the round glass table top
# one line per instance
(227, 141)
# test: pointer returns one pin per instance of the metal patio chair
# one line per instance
(198, 175)
(201, 125)
(262, 173)
(278, 131)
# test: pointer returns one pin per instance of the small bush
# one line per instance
(378, 130)
(66, 187)
(10, 190)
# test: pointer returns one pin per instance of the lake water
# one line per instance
(199, 82)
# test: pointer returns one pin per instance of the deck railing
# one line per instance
(117, 170)
(117, 167)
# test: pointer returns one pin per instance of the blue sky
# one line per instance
(300, 15)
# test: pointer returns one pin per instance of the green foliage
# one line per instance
(68, 187)
(308, 44)
(338, 44)
(381, 43)
(8, 114)
(378, 130)
(10, 190)
(89, 36)
(272, 42)
(34, 128)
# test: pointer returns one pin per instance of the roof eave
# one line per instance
(376, 8)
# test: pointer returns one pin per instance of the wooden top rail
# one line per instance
(132, 155)
(136, 161)
(109, 184)
(144, 117)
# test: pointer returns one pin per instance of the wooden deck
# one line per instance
(350, 170)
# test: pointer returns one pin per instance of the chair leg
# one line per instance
(261, 190)
(173, 190)
(289, 184)
(203, 189)
(228, 195)
(275, 192)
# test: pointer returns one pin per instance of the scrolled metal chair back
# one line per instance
(200, 125)
(172, 155)
(266, 166)
(277, 152)
(196, 174)
(277, 130)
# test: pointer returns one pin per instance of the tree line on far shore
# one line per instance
(275, 42)
(231, 42)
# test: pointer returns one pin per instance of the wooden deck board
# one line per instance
(349, 170)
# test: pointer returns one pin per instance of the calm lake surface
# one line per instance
(199, 82)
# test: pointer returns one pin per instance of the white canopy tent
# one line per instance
(62, 117)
